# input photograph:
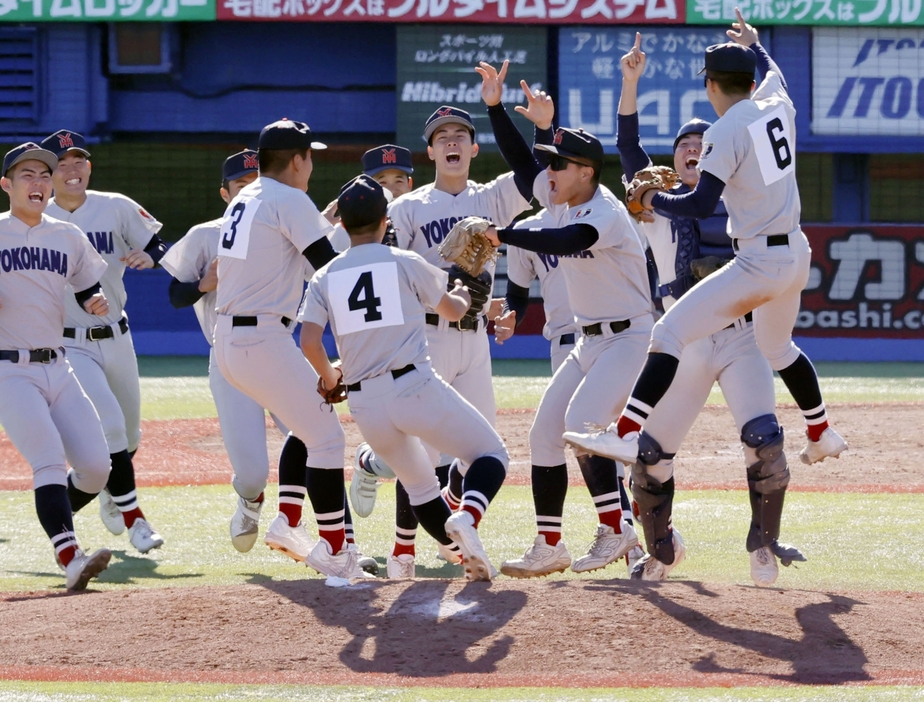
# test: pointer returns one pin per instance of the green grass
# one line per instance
(180, 692)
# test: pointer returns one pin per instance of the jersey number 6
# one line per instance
(781, 150)
(368, 301)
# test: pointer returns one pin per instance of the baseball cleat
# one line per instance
(607, 547)
(245, 524)
(364, 484)
(292, 541)
(787, 553)
(607, 443)
(341, 565)
(400, 567)
(366, 563)
(538, 560)
(143, 537)
(829, 445)
(449, 553)
(764, 570)
(83, 568)
(651, 569)
(460, 527)
(636, 554)
(110, 514)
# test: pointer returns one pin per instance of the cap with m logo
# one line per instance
(65, 140)
(387, 157)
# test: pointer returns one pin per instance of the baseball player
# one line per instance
(729, 357)
(459, 351)
(607, 282)
(748, 157)
(43, 409)
(272, 239)
(376, 298)
(103, 355)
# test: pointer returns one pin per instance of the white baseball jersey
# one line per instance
(37, 264)
(752, 149)
(264, 231)
(523, 266)
(374, 297)
(115, 225)
(339, 238)
(188, 260)
(618, 289)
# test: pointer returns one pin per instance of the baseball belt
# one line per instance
(772, 240)
(98, 333)
(35, 356)
(749, 317)
(597, 329)
(461, 325)
(252, 321)
(566, 340)
(397, 373)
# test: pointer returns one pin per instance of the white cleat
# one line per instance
(460, 527)
(651, 569)
(445, 552)
(110, 514)
(607, 547)
(341, 565)
(363, 485)
(829, 445)
(538, 560)
(245, 524)
(83, 568)
(292, 541)
(636, 554)
(607, 443)
(401, 567)
(143, 537)
(367, 564)
(764, 569)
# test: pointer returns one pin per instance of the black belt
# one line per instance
(397, 373)
(35, 356)
(464, 324)
(597, 329)
(566, 340)
(97, 333)
(252, 321)
(749, 317)
(772, 240)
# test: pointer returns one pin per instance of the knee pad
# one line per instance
(655, 499)
(652, 462)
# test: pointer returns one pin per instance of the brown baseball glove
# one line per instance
(336, 394)
(706, 266)
(467, 246)
(659, 178)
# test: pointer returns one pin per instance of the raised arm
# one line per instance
(631, 153)
(746, 35)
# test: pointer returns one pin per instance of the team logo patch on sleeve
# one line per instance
(707, 149)
(583, 213)
(144, 214)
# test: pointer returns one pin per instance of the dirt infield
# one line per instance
(581, 633)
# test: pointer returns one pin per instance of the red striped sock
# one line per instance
(131, 515)
(403, 549)
(551, 537)
(815, 431)
(335, 537)
(66, 555)
(624, 425)
(612, 518)
(293, 513)
(472, 510)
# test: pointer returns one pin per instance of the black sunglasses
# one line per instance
(560, 163)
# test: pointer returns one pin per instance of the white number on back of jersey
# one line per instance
(365, 297)
(235, 228)
(773, 145)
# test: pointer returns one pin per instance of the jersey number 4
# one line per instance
(363, 297)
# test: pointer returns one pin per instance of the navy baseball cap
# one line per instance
(65, 140)
(385, 158)
(694, 126)
(447, 115)
(240, 164)
(287, 134)
(574, 143)
(361, 202)
(27, 152)
(730, 58)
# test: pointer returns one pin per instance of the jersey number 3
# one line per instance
(773, 143)
(235, 228)
(365, 297)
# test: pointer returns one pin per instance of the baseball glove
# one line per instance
(479, 289)
(659, 178)
(706, 266)
(467, 246)
(336, 394)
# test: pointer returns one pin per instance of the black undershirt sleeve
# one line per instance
(514, 149)
(184, 294)
(560, 242)
(85, 295)
(156, 249)
(320, 253)
(517, 299)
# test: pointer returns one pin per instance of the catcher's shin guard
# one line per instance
(654, 499)
(768, 477)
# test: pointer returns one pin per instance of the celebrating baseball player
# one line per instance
(685, 251)
(103, 356)
(607, 281)
(376, 298)
(272, 239)
(459, 350)
(43, 409)
(748, 156)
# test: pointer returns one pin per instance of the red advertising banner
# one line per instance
(606, 12)
(867, 281)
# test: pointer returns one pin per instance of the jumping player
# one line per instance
(376, 298)
(748, 157)
(729, 357)
(43, 409)
(103, 356)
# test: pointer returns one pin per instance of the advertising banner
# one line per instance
(867, 281)
(863, 13)
(669, 94)
(443, 11)
(436, 67)
(106, 10)
(868, 81)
